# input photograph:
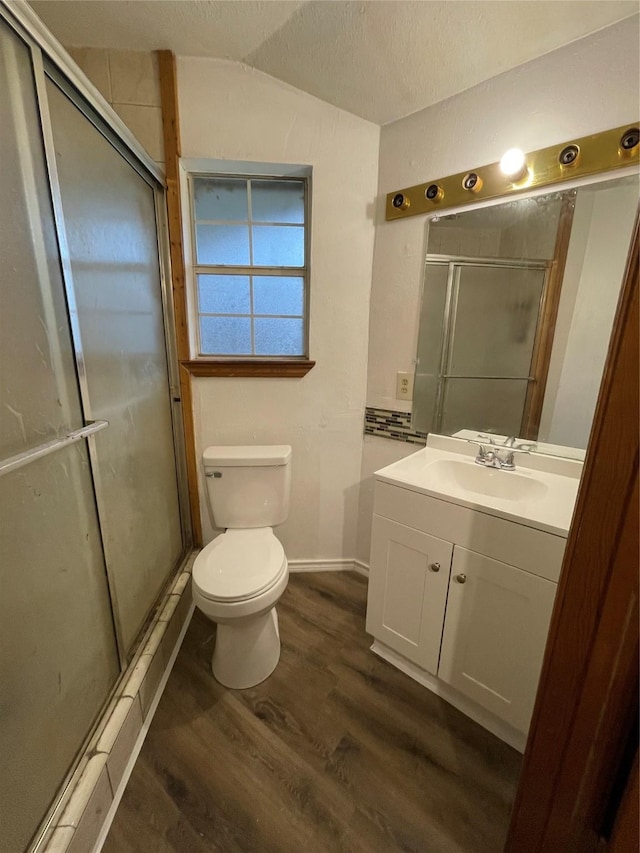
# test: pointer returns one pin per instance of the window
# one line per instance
(250, 250)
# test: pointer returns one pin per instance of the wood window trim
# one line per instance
(269, 368)
(198, 268)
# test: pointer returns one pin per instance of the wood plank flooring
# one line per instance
(337, 752)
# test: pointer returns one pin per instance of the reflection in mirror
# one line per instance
(517, 310)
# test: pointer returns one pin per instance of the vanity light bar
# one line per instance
(601, 152)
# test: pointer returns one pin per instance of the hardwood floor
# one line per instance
(336, 752)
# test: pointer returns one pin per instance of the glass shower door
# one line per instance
(430, 344)
(58, 657)
(493, 317)
(110, 224)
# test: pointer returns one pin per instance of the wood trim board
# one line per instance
(172, 151)
(246, 368)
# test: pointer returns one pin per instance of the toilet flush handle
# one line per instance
(216, 474)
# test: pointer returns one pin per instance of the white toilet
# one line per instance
(239, 577)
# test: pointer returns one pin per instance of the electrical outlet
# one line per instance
(404, 386)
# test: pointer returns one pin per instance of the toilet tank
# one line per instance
(248, 485)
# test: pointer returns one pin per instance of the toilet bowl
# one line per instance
(238, 578)
(237, 581)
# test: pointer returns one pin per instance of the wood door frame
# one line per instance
(588, 684)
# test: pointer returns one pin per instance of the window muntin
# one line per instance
(250, 244)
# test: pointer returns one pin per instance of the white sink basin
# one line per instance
(536, 498)
(490, 482)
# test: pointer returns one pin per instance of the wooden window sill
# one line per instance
(269, 368)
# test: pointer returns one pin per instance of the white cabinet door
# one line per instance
(408, 582)
(495, 634)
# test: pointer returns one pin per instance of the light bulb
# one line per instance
(513, 164)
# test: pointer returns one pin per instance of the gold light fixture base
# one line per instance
(589, 155)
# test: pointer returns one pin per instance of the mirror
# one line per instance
(517, 309)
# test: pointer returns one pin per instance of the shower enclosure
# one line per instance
(93, 517)
(477, 342)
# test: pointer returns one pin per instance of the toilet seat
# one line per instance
(239, 565)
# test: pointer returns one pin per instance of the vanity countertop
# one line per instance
(536, 498)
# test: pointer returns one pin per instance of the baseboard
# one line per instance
(361, 568)
(296, 566)
(486, 719)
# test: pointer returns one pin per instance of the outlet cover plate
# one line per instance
(404, 386)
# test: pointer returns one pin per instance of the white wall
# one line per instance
(229, 111)
(376, 453)
(585, 87)
(595, 266)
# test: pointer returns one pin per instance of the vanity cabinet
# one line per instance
(461, 600)
(494, 634)
(408, 591)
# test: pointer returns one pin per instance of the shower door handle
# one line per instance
(12, 463)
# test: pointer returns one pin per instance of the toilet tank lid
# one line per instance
(237, 456)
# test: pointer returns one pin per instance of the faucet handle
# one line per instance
(482, 448)
(506, 454)
(485, 454)
(507, 461)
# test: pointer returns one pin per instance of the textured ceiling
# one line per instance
(379, 59)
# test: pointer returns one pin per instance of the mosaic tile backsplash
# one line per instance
(395, 425)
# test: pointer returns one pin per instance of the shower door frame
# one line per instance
(43, 72)
(50, 61)
(455, 264)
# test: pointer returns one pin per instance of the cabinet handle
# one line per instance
(461, 578)
(435, 567)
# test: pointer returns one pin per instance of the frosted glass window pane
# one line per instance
(110, 220)
(220, 198)
(277, 201)
(224, 294)
(278, 295)
(224, 245)
(278, 337)
(278, 246)
(225, 335)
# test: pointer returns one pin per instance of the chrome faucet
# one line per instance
(488, 457)
(496, 457)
